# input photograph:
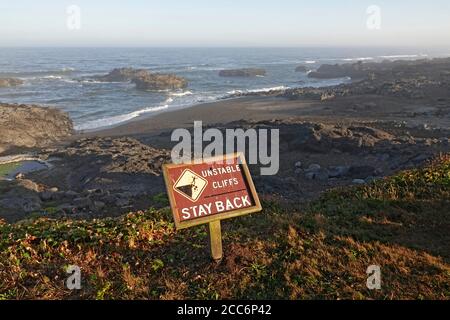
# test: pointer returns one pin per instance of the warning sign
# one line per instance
(216, 189)
(190, 185)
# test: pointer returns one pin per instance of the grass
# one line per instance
(400, 223)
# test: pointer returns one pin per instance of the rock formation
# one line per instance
(31, 126)
(301, 69)
(144, 79)
(159, 82)
(92, 177)
(407, 79)
(328, 71)
(121, 75)
(10, 82)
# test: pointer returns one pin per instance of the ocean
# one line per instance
(52, 76)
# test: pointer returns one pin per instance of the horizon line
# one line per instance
(232, 46)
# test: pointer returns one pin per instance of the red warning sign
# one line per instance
(216, 189)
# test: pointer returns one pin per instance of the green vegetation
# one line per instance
(8, 167)
(401, 223)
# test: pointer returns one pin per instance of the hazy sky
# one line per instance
(224, 23)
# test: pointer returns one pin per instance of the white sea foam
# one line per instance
(109, 121)
(358, 59)
(88, 81)
(181, 94)
(52, 77)
(91, 81)
(209, 68)
(47, 77)
(262, 90)
(39, 74)
(310, 61)
(404, 56)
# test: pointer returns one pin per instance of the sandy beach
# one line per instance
(346, 110)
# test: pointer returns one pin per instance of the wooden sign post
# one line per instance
(215, 240)
(217, 188)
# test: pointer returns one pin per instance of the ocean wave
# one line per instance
(194, 68)
(52, 77)
(86, 81)
(262, 90)
(91, 81)
(38, 74)
(181, 94)
(40, 78)
(310, 61)
(109, 121)
(403, 56)
(358, 59)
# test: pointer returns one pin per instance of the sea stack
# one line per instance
(10, 82)
(144, 79)
(159, 82)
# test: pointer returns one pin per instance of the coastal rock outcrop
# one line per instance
(144, 79)
(120, 155)
(122, 75)
(91, 177)
(245, 73)
(328, 71)
(320, 138)
(30, 126)
(159, 82)
(405, 79)
(10, 82)
(19, 198)
(301, 69)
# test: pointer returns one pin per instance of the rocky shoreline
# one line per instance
(329, 137)
(97, 177)
(409, 79)
(31, 126)
(88, 177)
